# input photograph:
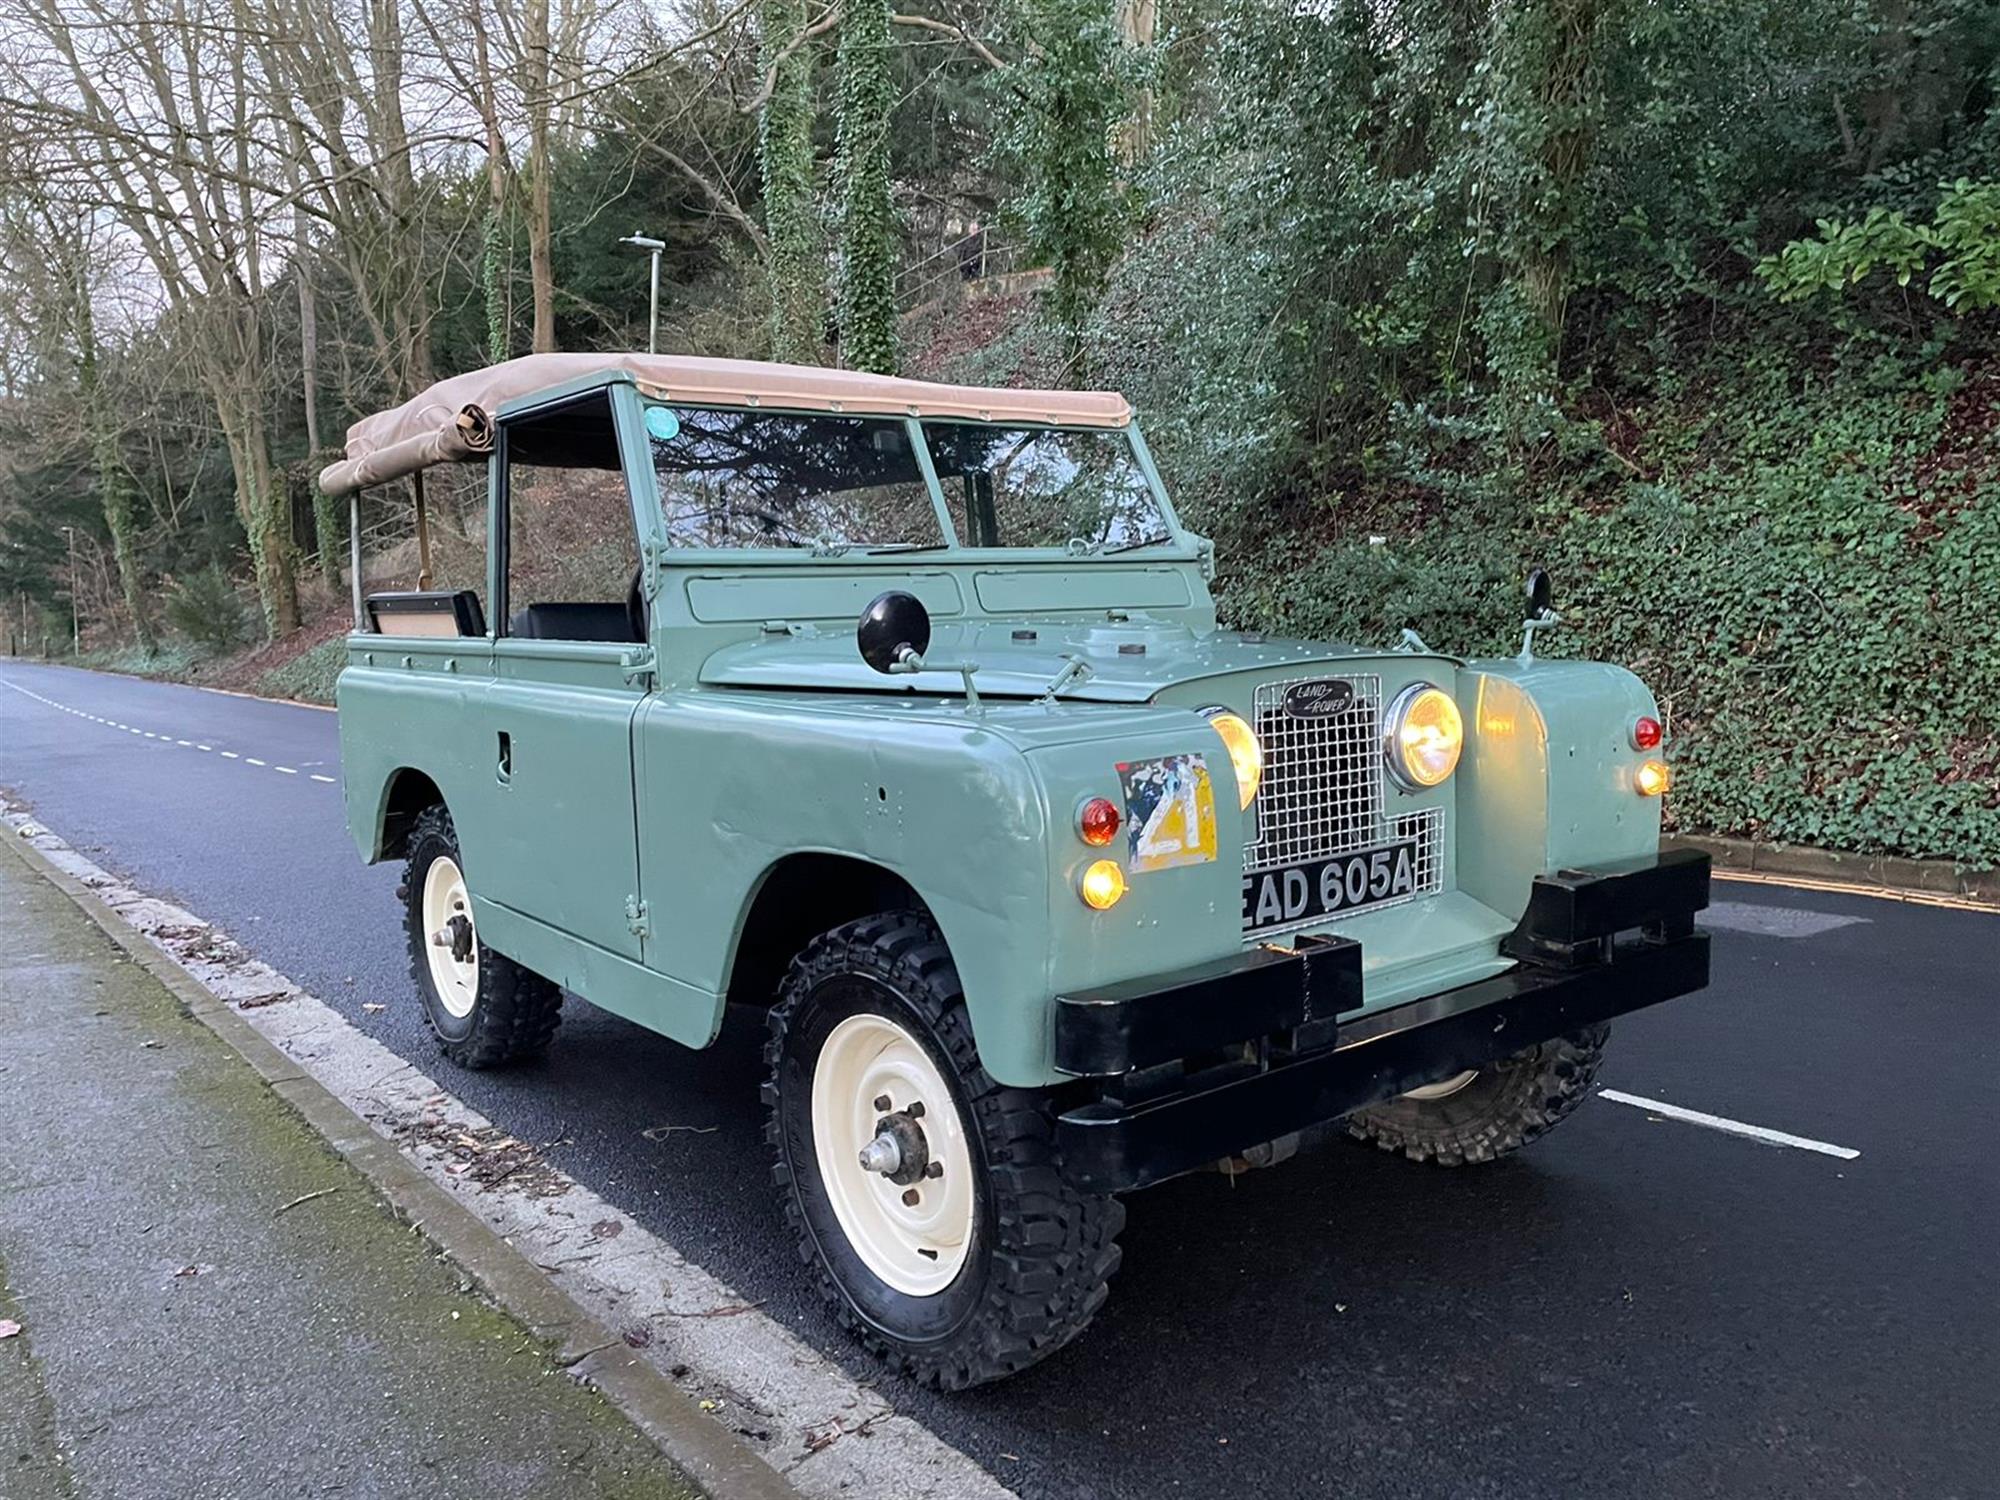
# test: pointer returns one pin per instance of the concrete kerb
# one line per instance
(710, 1456)
(1941, 880)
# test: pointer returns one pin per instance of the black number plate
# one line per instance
(1322, 888)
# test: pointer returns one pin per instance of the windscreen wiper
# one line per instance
(902, 547)
(1151, 541)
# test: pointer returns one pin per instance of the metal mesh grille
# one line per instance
(1322, 791)
(1427, 828)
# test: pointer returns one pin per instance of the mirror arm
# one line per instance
(909, 661)
(1542, 621)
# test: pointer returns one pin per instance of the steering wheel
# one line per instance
(635, 605)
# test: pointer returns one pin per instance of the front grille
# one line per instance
(1322, 792)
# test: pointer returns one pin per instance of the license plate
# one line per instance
(1322, 888)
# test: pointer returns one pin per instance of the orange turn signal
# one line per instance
(1102, 885)
(1651, 779)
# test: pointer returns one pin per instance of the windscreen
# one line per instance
(1041, 487)
(786, 479)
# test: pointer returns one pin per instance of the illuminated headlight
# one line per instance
(1245, 754)
(1422, 736)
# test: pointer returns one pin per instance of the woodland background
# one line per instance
(1693, 301)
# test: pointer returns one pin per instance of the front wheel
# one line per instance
(1487, 1113)
(924, 1196)
(484, 1008)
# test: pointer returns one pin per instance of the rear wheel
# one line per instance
(484, 1008)
(925, 1196)
(1487, 1113)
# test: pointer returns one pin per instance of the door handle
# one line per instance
(505, 770)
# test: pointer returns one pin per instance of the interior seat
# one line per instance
(573, 622)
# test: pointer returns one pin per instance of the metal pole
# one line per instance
(655, 248)
(423, 533)
(354, 553)
(653, 340)
(75, 617)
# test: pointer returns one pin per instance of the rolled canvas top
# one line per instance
(452, 422)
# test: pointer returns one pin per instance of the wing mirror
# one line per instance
(1541, 612)
(894, 632)
(1541, 593)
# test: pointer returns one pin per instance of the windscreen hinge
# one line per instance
(638, 917)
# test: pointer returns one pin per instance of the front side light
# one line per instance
(1245, 753)
(1652, 779)
(1102, 884)
(1422, 736)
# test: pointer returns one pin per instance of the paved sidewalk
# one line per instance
(194, 1322)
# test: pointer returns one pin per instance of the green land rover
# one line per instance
(900, 711)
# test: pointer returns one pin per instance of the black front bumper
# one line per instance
(1194, 1067)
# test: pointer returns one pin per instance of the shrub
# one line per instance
(206, 609)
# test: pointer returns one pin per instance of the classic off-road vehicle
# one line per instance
(1051, 887)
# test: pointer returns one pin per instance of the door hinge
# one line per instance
(639, 665)
(638, 917)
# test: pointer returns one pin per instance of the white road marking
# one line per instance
(1773, 921)
(327, 779)
(150, 734)
(1728, 1126)
(808, 1412)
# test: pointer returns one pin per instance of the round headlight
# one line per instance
(1422, 736)
(1245, 754)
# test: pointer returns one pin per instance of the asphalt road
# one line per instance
(1636, 1306)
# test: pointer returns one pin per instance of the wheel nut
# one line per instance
(910, 1198)
(916, 1110)
(934, 1170)
(882, 1104)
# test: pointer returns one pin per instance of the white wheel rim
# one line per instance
(456, 980)
(917, 1247)
(1444, 1088)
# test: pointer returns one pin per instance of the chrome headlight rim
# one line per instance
(1392, 737)
(1216, 711)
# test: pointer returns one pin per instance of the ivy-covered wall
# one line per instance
(1801, 559)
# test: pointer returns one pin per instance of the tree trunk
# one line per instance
(116, 492)
(868, 216)
(797, 266)
(535, 94)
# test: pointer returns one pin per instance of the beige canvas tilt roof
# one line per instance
(452, 422)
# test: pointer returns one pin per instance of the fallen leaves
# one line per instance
(608, 1229)
(8, 1328)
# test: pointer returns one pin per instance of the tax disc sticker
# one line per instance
(662, 424)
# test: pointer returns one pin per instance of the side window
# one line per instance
(785, 479)
(572, 555)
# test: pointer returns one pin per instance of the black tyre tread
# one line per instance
(1055, 1249)
(1530, 1094)
(517, 1012)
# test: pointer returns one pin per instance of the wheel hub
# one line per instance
(453, 948)
(893, 1154)
(900, 1151)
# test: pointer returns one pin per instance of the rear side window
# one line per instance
(785, 479)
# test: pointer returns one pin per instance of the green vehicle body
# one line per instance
(660, 828)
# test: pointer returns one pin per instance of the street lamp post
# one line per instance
(653, 248)
(75, 618)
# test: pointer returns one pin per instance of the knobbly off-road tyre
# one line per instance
(486, 1014)
(1504, 1107)
(1038, 1254)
